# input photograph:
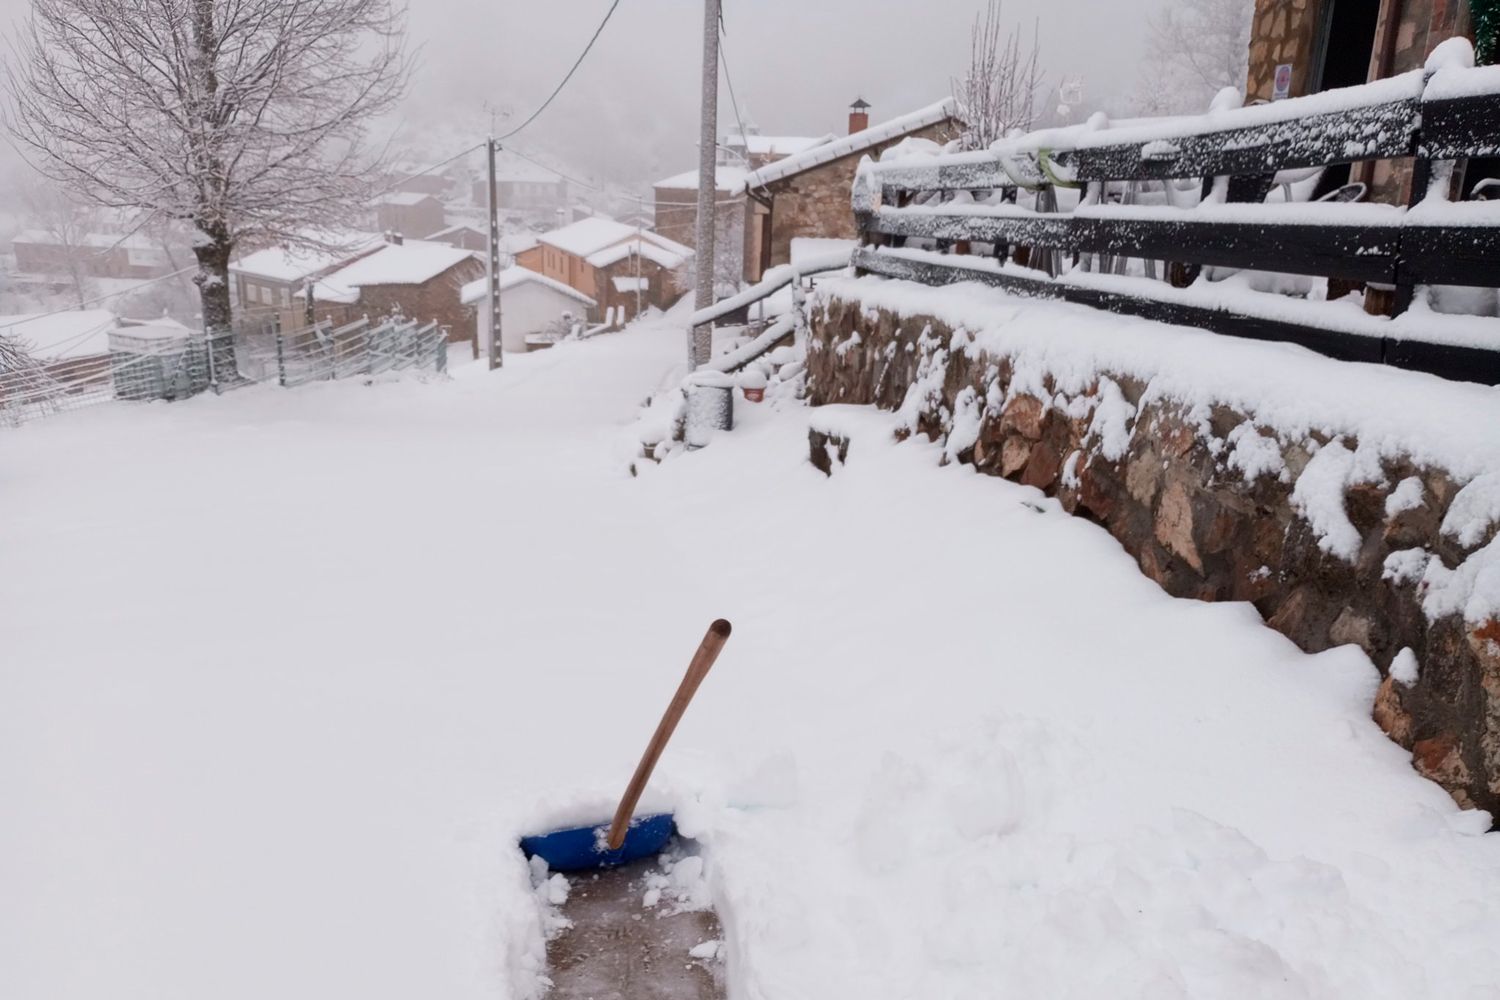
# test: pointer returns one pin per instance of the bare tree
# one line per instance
(998, 92)
(1194, 49)
(245, 120)
(69, 223)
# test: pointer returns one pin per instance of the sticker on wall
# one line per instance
(1283, 86)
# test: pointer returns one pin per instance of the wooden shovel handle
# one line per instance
(708, 652)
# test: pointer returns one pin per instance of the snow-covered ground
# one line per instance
(285, 673)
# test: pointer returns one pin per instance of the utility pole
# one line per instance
(700, 343)
(640, 237)
(497, 357)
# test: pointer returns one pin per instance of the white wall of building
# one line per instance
(525, 309)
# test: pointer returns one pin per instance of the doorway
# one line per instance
(1342, 56)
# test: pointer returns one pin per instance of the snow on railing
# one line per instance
(1187, 197)
(773, 281)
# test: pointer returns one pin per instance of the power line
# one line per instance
(538, 113)
(426, 170)
(594, 187)
(100, 298)
(733, 101)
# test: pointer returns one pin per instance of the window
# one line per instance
(286, 298)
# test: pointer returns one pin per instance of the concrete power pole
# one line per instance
(497, 357)
(700, 345)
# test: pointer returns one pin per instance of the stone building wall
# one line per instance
(815, 203)
(438, 299)
(1286, 32)
(1205, 502)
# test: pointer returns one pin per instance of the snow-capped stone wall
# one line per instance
(1333, 537)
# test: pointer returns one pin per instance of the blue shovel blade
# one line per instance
(584, 847)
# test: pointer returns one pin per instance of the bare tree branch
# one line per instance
(999, 90)
(1194, 49)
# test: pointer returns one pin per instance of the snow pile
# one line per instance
(1318, 495)
(1293, 392)
(1475, 511)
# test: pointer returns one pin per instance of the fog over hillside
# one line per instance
(629, 115)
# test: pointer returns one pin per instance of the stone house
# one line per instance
(676, 210)
(807, 195)
(591, 254)
(463, 237)
(413, 178)
(269, 285)
(1318, 45)
(411, 214)
(412, 278)
(522, 186)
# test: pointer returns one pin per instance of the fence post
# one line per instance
(441, 360)
(280, 354)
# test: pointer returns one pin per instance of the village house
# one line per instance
(523, 187)
(676, 205)
(1300, 47)
(411, 214)
(412, 278)
(614, 264)
(806, 195)
(412, 178)
(462, 236)
(98, 255)
(269, 284)
(532, 307)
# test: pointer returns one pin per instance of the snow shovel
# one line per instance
(630, 838)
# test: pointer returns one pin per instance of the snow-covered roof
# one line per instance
(452, 230)
(849, 145)
(630, 283)
(511, 277)
(404, 198)
(162, 329)
(293, 264)
(670, 259)
(776, 145)
(414, 262)
(587, 236)
(77, 333)
(726, 178)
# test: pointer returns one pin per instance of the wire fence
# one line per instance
(141, 366)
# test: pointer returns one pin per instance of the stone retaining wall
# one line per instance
(1213, 506)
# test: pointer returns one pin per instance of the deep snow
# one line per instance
(286, 672)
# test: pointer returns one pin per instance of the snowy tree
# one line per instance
(244, 120)
(998, 91)
(1194, 49)
(68, 222)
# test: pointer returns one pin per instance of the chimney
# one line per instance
(859, 116)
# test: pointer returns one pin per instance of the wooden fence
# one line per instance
(985, 217)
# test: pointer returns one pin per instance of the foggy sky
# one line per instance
(630, 114)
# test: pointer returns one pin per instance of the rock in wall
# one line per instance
(1332, 543)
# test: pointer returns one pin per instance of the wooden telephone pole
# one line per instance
(700, 339)
(497, 357)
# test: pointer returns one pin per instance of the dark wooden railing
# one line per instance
(938, 220)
